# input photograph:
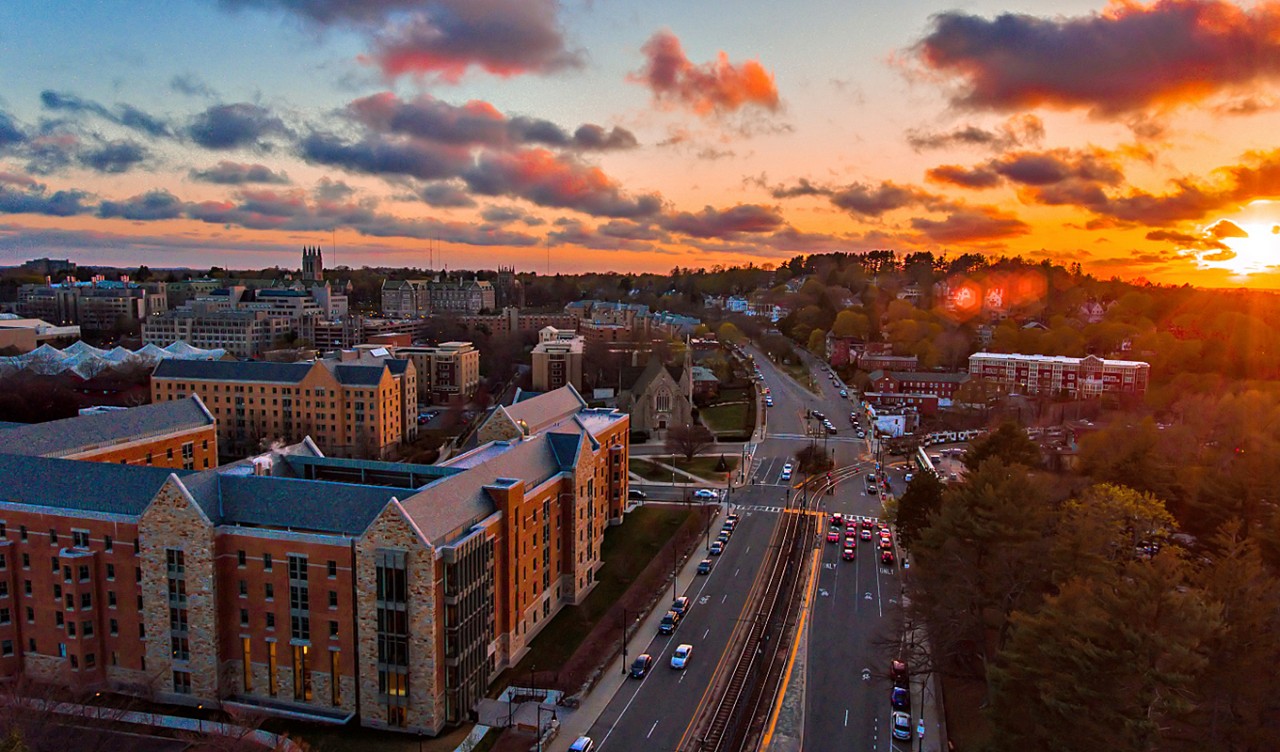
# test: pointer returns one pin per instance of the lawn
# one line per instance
(705, 466)
(802, 376)
(727, 418)
(649, 471)
(626, 550)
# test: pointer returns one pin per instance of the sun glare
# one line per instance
(1259, 252)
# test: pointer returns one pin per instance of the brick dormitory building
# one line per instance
(321, 587)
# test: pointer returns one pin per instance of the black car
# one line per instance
(636, 494)
(641, 666)
(669, 622)
(704, 566)
(681, 605)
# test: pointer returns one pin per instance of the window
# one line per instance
(86, 628)
(244, 588)
(6, 647)
(80, 538)
(57, 618)
(271, 621)
(26, 561)
(83, 572)
(111, 598)
(86, 601)
(4, 589)
(137, 546)
(266, 562)
(57, 591)
(182, 682)
(272, 684)
(333, 568)
(26, 587)
(4, 562)
(335, 680)
(4, 533)
(302, 673)
(333, 630)
(4, 616)
(246, 663)
(333, 599)
(240, 558)
(22, 532)
(142, 631)
(244, 617)
(111, 571)
(114, 627)
(271, 591)
(89, 660)
(75, 663)
(137, 574)
(31, 615)
(53, 536)
(106, 542)
(71, 629)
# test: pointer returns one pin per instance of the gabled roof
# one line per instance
(546, 409)
(81, 486)
(61, 438)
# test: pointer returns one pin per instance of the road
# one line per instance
(655, 713)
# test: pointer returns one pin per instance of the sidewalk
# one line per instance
(576, 723)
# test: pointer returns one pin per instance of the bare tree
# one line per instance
(689, 440)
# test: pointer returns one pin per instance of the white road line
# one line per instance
(651, 728)
(735, 572)
(724, 597)
(846, 717)
(707, 632)
(879, 603)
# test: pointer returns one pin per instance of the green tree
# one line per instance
(729, 332)
(1104, 664)
(1107, 526)
(851, 323)
(919, 502)
(818, 343)
(982, 557)
(1008, 443)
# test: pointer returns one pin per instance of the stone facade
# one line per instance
(173, 521)
(425, 709)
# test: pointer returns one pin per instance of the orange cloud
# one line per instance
(706, 88)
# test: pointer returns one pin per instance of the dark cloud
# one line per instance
(33, 198)
(1018, 130)
(125, 114)
(628, 230)
(874, 200)
(964, 177)
(502, 215)
(330, 190)
(706, 88)
(114, 156)
(725, 223)
(1130, 57)
(1188, 241)
(971, 225)
(803, 187)
(231, 126)
(574, 232)
(151, 206)
(446, 196)
(48, 153)
(238, 173)
(501, 37)
(10, 133)
(477, 123)
(1245, 107)
(382, 156)
(552, 180)
(192, 86)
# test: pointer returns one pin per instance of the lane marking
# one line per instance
(707, 632)
(651, 728)
(846, 717)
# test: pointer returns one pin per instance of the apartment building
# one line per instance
(557, 359)
(178, 434)
(392, 594)
(349, 409)
(447, 373)
(1089, 376)
(411, 298)
(934, 383)
(96, 305)
(207, 325)
(511, 320)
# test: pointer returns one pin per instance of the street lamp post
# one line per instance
(540, 732)
(624, 640)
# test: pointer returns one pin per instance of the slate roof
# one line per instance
(547, 409)
(233, 370)
(81, 486)
(60, 438)
(289, 503)
(451, 504)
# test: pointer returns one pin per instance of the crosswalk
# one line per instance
(837, 438)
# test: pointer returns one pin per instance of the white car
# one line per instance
(786, 471)
(768, 401)
(706, 493)
(681, 656)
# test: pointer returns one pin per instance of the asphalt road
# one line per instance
(853, 611)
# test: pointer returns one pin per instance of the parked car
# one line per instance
(704, 566)
(768, 401)
(636, 494)
(681, 656)
(681, 605)
(844, 393)
(900, 699)
(669, 622)
(722, 538)
(583, 744)
(717, 548)
(641, 666)
(901, 726)
(898, 673)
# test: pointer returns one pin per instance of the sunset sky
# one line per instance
(1138, 139)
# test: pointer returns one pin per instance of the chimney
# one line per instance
(262, 466)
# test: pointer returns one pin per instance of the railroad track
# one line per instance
(731, 722)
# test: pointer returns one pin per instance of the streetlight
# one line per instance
(540, 732)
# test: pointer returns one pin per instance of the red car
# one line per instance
(848, 554)
(886, 558)
(833, 536)
(850, 541)
(866, 523)
(865, 534)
